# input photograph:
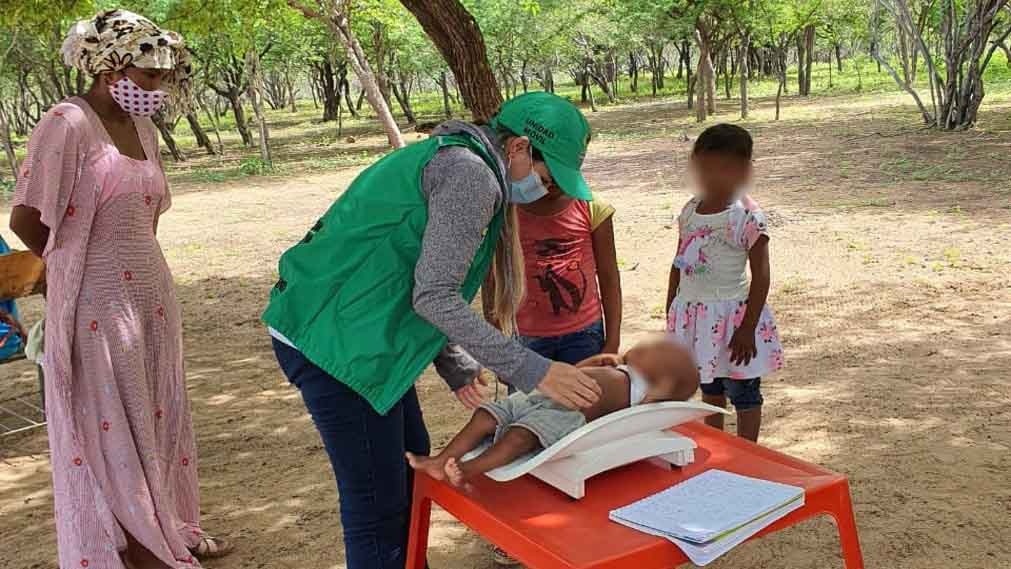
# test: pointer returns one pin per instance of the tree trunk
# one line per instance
(12, 158)
(166, 135)
(801, 60)
(744, 70)
(329, 90)
(615, 76)
(690, 79)
(701, 80)
(633, 72)
(1007, 52)
(781, 64)
(706, 73)
(344, 86)
(444, 85)
(214, 123)
(838, 57)
(360, 63)
(401, 92)
(728, 75)
(687, 54)
(198, 133)
(654, 56)
(256, 97)
(313, 89)
(589, 88)
(240, 118)
(455, 32)
(661, 66)
(291, 92)
(700, 89)
(652, 76)
(600, 79)
(779, 94)
(809, 55)
(379, 47)
(340, 118)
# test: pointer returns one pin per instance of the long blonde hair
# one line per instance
(508, 275)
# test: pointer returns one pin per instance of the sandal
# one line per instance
(502, 559)
(211, 548)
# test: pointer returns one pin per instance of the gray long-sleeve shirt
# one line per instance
(463, 196)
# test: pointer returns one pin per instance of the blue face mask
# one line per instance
(527, 190)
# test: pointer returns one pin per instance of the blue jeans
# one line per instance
(366, 451)
(570, 348)
(744, 394)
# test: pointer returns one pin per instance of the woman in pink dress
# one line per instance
(88, 200)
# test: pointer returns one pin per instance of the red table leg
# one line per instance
(847, 525)
(421, 518)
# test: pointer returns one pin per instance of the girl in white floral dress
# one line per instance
(713, 308)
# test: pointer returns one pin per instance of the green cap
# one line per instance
(555, 127)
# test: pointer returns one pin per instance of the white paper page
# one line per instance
(702, 555)
(706, 506)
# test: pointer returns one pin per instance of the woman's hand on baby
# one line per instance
(569, 387)
(742, 346)
(470, 395)
(602, 360)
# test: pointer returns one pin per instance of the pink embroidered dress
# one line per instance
(712, 297)
(123, 455)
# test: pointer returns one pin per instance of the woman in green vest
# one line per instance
(381, 287)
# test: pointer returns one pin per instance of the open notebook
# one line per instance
(711, 513)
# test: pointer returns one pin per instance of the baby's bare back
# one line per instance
(614, 385)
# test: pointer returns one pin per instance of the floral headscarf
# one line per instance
(116, 39)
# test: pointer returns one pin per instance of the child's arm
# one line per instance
(742, 345)
(673, 282)
(610, 283)
(602, 360)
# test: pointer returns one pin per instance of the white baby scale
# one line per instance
(614, 440)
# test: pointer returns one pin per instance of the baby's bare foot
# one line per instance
(430, 465)
(454, 474)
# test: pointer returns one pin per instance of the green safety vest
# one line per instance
(344, 297)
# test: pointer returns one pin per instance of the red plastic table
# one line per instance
(545, 529)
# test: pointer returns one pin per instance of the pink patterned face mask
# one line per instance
(135, 100)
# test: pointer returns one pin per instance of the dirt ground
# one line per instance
(891, 270)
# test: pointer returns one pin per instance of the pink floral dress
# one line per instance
(123, 455)
(712, 297)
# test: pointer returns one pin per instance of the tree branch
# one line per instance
(876, 54)
(998, 43)
(304, 10)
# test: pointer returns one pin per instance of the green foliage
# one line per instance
(528, 42)
(254, 167)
